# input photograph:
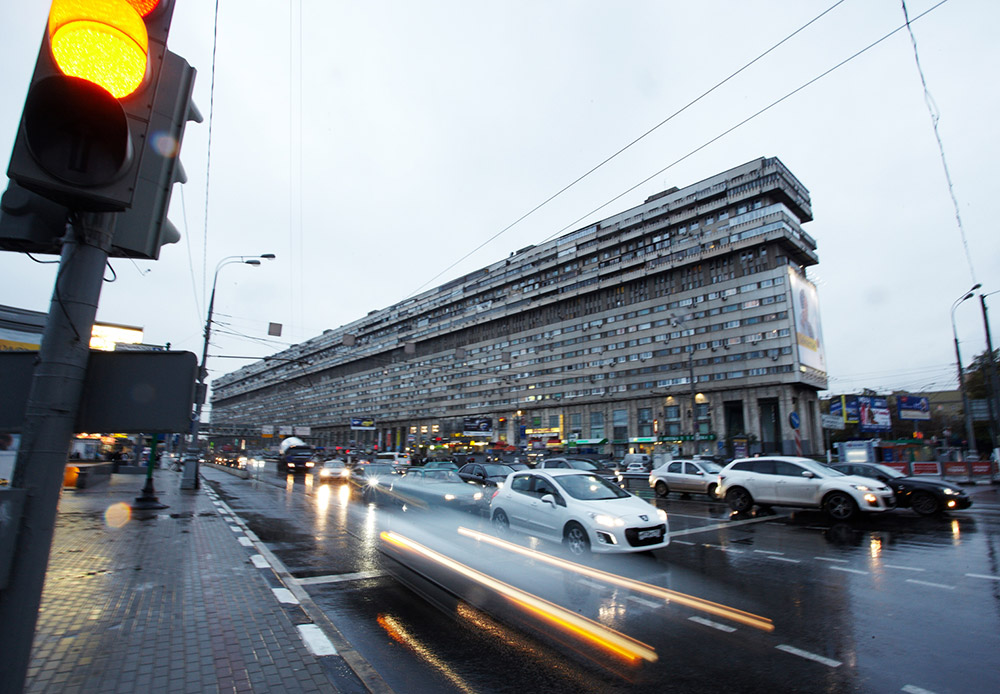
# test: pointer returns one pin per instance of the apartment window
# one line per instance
(619, 423)
(597, 425)
(645, 416)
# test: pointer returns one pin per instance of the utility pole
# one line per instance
(993, 399)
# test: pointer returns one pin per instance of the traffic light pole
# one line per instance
(53, 404)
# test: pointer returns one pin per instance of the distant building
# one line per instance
(686, 323)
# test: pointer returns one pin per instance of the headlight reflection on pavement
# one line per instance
(610, 640)
(747, 618)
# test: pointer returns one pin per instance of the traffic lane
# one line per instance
(900, 601)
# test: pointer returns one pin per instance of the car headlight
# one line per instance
(310, 464)
(324, 473)
(449, 497)
(949, 490)
(477, 496)
(345, 472)
(372, 481)
(662, 514)
(607, 521)
(861, 487)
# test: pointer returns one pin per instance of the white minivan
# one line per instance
(394, 458)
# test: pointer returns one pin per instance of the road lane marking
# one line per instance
(808, 656)
(236, 528)
(838, 561)
(338, 578)
(284, 595)
(850, 571)
(682, 542)
(245, 541)
(315, 640)
(786, 559)
(259, 561)
(715, 625)
(910, 689)
(719, 526)
(731, 550)
(903, 568)
(643, 601)
(764, 551)
(986, 576)
(928, 583)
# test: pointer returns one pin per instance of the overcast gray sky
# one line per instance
(371, 145)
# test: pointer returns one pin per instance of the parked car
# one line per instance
(582, 510)
(925, 496)
(686, 476)
(636, 462)
(333, 470)
(802, 483)
(434, 489)
(485, 474)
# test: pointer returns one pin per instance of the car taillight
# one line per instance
(495, 492)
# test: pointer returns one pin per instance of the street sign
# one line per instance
(793, 420)
(832, 421)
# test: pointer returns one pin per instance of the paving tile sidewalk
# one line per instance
(170, 601)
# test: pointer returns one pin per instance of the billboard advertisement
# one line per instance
(362, 424)
(913, 407)
(873, 414)
(808, 331)
(477, 426)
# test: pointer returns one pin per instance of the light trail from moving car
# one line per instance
(611, 641)
(724, 611)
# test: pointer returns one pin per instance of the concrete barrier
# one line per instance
(80, 475)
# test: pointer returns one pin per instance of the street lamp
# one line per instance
(970, 434)
(190, 479)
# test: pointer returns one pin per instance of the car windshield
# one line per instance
(892, 473)
(497, 470)
(376, 469)
(819, 469)
(442, 476)
(590, 488)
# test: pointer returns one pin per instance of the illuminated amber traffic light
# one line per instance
(101, 41)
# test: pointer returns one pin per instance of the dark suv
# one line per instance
(925, 496)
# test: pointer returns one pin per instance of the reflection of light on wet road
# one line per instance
(343, 499)
(691, 601)
(397, 632)
(956, 532)
(322, 507)
(570, 622)
(875, 546)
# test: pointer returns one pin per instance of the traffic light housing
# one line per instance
(82, 148)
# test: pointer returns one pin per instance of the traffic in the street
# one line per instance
(771, 599)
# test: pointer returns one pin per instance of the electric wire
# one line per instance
(208, 162)
(629, 145)
(935, 115)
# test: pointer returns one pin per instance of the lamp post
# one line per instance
(190, 479)
(970, 434)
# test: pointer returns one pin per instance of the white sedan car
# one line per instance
(580, 509)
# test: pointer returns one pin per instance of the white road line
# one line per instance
(786, 559)
(315, 640)
(986, 576)
(338, 578)
(259, 561)
(910, 689)
(725, 549)
(236, 528)
(643, 601)
(284, 595)
(837, 561)
(808, 656)
(245, 541)
(715, 625)
(682, 542)
(850, 571)
(932, 585)
(719, 526)
(764, 551)
(903, 568)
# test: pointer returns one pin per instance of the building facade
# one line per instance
(685, 323)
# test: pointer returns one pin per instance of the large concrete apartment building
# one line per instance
(687, 322)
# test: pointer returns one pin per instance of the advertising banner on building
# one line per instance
(477, 426)
(913, 407)
(362, 424)
(808, 331)
(873, 414)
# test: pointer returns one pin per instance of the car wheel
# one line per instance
(711, 490)
(661, 488)
(925, 504)
(501, 525)
(840, 506)
(576, 540)
(739, 499)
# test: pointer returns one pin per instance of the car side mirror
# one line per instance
(807, 474)
(549, 499)
(699, 472)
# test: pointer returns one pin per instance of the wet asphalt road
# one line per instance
(891, 603)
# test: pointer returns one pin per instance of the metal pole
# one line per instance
(50, 418)
(994, 388)
(694, 394)
(969, 431)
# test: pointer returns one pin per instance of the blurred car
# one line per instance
(582, 510)
(436, 488)
(925, 496)
(394, 458)
(686, 476)
(802, 483)
(439, 465)
(373, 480)
(333, 470)
(485, 474)
(584, 464)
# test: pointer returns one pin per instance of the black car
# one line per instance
(485, 474)
(925, 496)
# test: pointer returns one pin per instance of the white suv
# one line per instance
(800, 482)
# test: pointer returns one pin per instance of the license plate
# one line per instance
(647, 534)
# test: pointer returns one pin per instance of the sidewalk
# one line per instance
(170, 601)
